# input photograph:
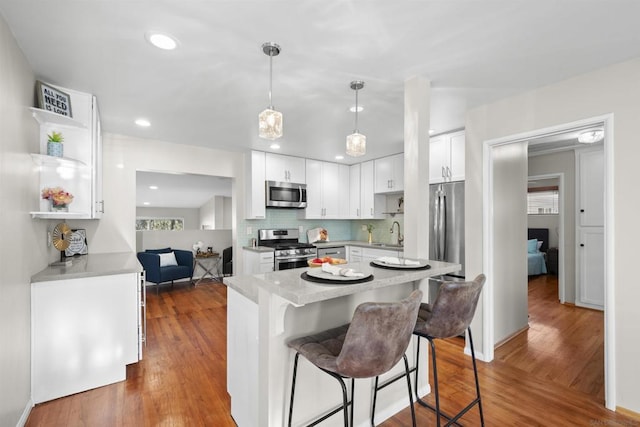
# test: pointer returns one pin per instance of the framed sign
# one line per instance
(52, 99)
(78, 243)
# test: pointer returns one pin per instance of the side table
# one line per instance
(552, 261)
(207, 264)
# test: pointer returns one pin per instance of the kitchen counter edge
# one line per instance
(91, 265)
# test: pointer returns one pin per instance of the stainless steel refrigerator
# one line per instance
(446, 228)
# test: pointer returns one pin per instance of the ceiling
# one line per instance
(178, 190)
(209, 91)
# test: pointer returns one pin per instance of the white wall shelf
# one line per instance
(47, 117)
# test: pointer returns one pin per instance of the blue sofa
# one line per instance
(150, 260)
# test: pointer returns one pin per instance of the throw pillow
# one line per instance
(532, 246)
(168, 259)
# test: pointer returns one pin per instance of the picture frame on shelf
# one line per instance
(78, 243)
(53, 99)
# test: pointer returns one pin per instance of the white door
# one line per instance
(591, 267)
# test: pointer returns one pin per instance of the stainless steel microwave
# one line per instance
(286, 195)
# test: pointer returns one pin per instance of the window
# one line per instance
(171, 224)
(542, 201)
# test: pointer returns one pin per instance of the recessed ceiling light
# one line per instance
(591, 136)
(153, 187)
(353, 108)
(431, 131)
(146, 203)
(120, 165)
(275, 146)
(143, 123)
(339, 157)
(161, 41)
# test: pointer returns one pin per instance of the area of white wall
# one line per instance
(123, 156)
(207, 215)
(191, 216)
(24, 252)
(509, 250)
(610, 90)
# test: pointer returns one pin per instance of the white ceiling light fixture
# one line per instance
(161, 41)
(144, 123)
(275, 146)
(153, 187)
(591, 136)
(270, 120)
(356, 142)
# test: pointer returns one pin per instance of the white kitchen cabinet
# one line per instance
(255, 193)
(590, 175)
(284, 168)
(84, 332)
(79, 172)
(447, 157)
(590, 228)
(257, 261)
(591, 267)
(354, 192)
(369, 254)
(371, 204)
(327, 197)
(354, 253)
(389, 174)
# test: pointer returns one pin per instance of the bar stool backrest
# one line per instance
(378, 336)
(453, 309)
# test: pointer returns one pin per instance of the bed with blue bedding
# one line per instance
(537, 245)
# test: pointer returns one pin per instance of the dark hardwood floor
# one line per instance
(551, 375)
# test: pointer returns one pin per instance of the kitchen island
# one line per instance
(265, 311)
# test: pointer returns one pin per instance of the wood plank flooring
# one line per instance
(550, 377)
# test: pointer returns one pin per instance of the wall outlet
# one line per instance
(249, 231)
(300, 229)
(48, 238)
(364, 228)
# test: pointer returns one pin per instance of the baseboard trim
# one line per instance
(25, 414)
(512, 336)
(628, 413)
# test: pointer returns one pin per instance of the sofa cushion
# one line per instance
(167, 259)
(159, 251)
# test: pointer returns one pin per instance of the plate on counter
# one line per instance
(423, 265)
(319, 276)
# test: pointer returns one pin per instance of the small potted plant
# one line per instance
(370, 228)
(54, 144)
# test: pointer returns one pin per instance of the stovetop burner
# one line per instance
(285, 242)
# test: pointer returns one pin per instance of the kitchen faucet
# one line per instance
(400, 236)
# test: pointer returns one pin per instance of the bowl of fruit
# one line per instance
(317, 262)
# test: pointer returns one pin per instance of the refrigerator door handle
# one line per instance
(442, 227)
(436, 227)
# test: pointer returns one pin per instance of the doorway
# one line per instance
(492, 198)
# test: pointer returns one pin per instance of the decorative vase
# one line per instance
(58, 208)
(55, 149)
(370, 238)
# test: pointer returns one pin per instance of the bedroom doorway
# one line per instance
(498, 263)
(543, 186)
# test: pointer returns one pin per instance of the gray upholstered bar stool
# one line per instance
(449, 316)
(374, 341)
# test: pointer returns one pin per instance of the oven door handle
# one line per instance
(300, 258)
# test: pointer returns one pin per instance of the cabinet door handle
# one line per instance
(449, 172)
(371, 211)
(101, 206)
(358, 212)
(444, 175)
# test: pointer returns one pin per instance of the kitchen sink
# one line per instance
(387, 245)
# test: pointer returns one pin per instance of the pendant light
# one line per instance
(270, 120)
(356, 142)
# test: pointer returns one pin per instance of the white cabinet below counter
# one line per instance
(368, 254)
(85, 329)
(257, 260)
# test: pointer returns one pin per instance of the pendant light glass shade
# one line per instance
(270, 120)
(356, 142)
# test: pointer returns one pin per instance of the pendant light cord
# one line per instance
(270, 79)
(356, 130)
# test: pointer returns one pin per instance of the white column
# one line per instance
(417, 98)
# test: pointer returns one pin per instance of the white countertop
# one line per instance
(289, 285)
(91, 265)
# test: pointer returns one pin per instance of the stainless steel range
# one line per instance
(289, 252)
